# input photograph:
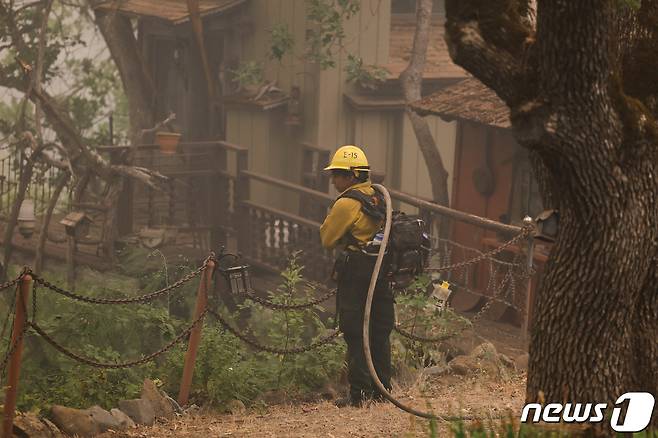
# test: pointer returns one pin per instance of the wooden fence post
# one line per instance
(195, 335)
(20, 319)
(242, 194)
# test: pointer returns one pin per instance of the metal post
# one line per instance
(528, 294)
(20, 318)
(195, 335)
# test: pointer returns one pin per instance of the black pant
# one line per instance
(353, 281)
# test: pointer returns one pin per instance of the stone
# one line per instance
(328, 392)
(161, 406)
(521, 362)
(124, 421)
(436, 370)
(507, 361)
(235, 407)
(30, 425)
(463, 365)
(104, 419)
(486, 351)
(74, 421)
(139, 410)
(462, 344)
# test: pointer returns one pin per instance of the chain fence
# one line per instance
(255, 344)
(41, 284)
(511, 272)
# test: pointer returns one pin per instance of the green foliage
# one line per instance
(124, 333)
(632, 4)
(85, 84)
(418, 313)
(281, 41)
(367, 76)
(248, 73)
(326, 28)
(287, 329)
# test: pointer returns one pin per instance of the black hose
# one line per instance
(366, 319)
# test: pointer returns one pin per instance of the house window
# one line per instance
(409, 7)
(525, 197)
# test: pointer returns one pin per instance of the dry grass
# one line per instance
(480, 396)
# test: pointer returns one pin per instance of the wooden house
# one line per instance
(492, 174)
(332, 111)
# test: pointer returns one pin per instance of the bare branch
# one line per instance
(170, 118)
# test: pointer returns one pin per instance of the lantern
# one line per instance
(26, 219)
(294, 113)
(238, 279)
(547, 225)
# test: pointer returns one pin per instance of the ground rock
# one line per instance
(139, 410)
(436, 370)
(235, 407)
(74, 421)
(328, 392)
(461, 344)
(507, 361)
(521, 361)
(485, 351)
(161, 406)
(125, 421)
(104, 419)
(463, 365)
(31, 426)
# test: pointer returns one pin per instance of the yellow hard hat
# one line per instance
(349, 157)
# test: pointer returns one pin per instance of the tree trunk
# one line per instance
(43, 232)
(137, 83)
(411, 80)
(583, 100)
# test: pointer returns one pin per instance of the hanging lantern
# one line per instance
(293, 116)
(238, 279)
(26, 219)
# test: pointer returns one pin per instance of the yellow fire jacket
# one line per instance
(346, 218)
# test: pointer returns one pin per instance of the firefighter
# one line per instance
(349, 228)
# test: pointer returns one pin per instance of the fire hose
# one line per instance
(366, 318)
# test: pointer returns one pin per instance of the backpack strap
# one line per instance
(371, 205)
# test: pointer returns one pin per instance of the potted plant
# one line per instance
(369, 78)
(168, 141)
(248, 76)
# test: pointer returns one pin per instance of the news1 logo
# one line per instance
(638, 413)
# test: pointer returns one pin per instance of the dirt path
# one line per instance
(479, 396)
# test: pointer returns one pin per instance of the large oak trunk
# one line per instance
(582, 93)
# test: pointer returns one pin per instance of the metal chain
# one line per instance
(398, 328)
(140, 299)
(483, 256)
(493, 298)
(130, 364)
(320, 342)
(277, 306)
(12, 282)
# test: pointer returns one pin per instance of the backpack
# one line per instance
(408, 246)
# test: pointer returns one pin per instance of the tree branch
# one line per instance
(491, 40)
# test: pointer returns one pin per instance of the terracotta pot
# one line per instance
(168, 142)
